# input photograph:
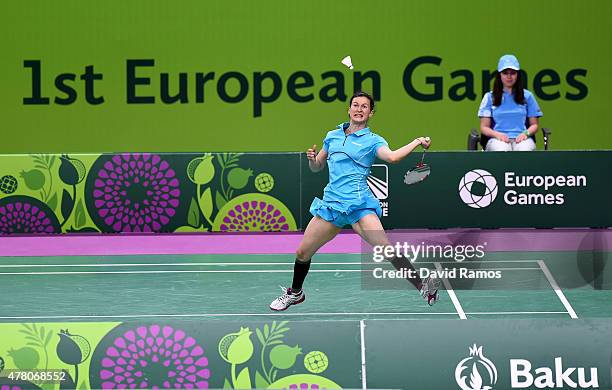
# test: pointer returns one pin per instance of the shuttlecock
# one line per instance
(348, 62)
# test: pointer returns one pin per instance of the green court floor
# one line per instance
(118, 288)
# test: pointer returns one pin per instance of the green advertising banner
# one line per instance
(489, 190)
(174, 354)
(96, 77)
(272, 192)
(149, 193)
(490, 354)
(433, 354)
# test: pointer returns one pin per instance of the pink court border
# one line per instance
(286, 243)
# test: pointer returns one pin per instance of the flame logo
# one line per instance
(476, 381)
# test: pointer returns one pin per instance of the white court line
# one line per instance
(158, 264)
(222, 315)
(452, 295)
(241, 263)
(517, 312)
(478, 313)
(407, 314)
(558, 291)
(245, 271)
(364, 382)
(216, 271)
(477, 261)
(208, 264)
(506, 269)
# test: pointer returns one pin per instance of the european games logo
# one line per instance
(476, 363)
(478, 188)
(378, 181)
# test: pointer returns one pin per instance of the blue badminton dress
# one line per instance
(347, 197)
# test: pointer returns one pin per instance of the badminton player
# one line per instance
(349, 151)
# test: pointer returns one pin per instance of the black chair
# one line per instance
(475, 137)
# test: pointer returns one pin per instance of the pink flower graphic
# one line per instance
(23, 214)
(134, 193)
(154, 357)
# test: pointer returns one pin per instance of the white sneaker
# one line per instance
(287, 299)
(429, 290)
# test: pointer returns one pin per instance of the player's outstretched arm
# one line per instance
(395, 156)
(316, 160)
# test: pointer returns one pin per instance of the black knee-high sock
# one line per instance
(400, 263)
(300, 270)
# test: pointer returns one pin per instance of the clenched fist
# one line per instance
(311, 153)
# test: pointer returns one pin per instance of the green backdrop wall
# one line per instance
(308, 355)
(266, 76)
(262, 192)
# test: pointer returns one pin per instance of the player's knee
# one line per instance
(302, 255)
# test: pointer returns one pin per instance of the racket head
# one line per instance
(417, 174)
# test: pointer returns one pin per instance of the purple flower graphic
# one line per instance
(134, 193)
(154, 357)
(7, 384)
(254, 212)
(254, 215)
(24, 214)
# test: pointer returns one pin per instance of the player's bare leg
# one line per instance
(371, 230)
(317, 233)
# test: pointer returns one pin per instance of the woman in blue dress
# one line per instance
(505, 111)
(349, 151)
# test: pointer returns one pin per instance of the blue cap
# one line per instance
(508, 61)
